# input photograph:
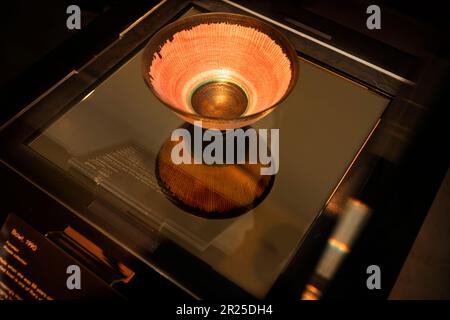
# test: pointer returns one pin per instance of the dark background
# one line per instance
(34, 36)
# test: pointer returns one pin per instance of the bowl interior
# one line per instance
(219, 66)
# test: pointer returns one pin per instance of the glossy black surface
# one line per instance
(397, 173)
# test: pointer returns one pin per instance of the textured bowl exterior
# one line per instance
(211, 191)
(220, 47)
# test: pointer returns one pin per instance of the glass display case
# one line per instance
(92, 142)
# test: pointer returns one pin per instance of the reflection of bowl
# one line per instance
(226, 70)
(211, 191)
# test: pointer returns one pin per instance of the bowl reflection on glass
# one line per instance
(211, 191)
(226, 70)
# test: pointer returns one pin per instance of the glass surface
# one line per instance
(113, 135)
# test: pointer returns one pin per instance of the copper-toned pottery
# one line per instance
(211, 191)
(225, 69)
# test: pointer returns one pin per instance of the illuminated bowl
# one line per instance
(211, 191)
(226, 70)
